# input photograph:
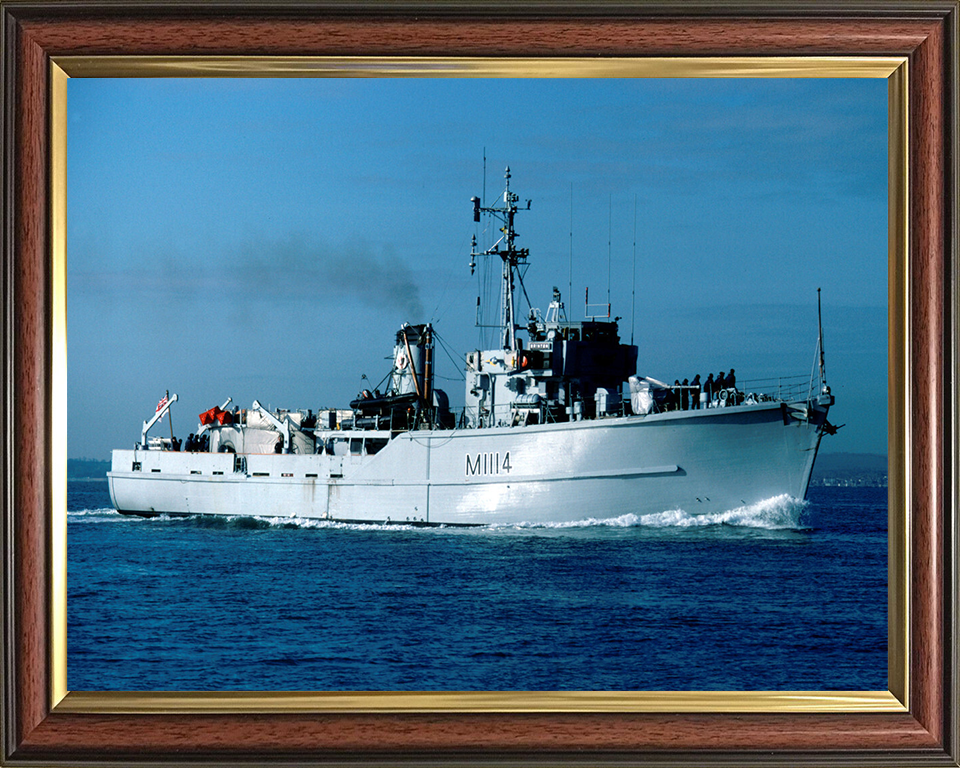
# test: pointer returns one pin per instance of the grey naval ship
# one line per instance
(556, 428)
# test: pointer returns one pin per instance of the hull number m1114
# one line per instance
(488, 464)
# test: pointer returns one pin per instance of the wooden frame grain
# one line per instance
(35, 733)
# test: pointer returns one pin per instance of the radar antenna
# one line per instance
(512, 256)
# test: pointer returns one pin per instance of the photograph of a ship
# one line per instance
(545, 425)
(553, 484)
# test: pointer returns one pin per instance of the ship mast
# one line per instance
(512, 257)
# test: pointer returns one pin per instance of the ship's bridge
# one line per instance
(568, 370)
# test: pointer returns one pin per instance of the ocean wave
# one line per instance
(251, 522)
(90, 512)
(778, 513)
(259, 522)
(97, 515)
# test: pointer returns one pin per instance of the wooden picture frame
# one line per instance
(40, 728)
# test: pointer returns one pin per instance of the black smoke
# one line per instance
(298, 269)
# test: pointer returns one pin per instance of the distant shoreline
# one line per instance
(87, 469)
(852, 470)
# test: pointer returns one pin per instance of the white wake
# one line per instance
(778, 513)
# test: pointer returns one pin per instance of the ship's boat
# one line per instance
(556, 427)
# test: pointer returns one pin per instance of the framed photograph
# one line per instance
(89, 81)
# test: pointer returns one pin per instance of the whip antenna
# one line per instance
(609, 248)
(633, 306)
(483, 199)
(823, 377)
(570, 281)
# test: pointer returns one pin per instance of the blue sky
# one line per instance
(259, 238)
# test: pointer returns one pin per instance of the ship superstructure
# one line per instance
(567, 371)
(556, 427)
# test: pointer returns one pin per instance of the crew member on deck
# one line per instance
(695, 392)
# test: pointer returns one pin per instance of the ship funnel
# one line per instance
(409, 361)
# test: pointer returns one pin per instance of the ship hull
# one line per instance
(702, 462)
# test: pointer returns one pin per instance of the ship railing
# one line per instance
(781, 388)
(747, 392)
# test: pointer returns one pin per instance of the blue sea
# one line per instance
(779, 596)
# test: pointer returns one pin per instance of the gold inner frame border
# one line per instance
(895, 699)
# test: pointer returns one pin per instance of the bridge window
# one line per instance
(374, 444)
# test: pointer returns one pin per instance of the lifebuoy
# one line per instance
(401, 361)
